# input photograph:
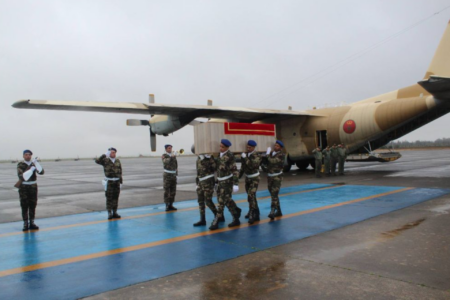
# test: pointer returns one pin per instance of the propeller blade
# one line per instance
(134, 122)
(152, 140)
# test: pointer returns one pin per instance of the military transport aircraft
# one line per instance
(367, 124)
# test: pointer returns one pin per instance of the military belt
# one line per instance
(170, 172)
(112, 179)
(274, 174)
(29, 182)
(224, 178)
(206, 177)
(252, 175)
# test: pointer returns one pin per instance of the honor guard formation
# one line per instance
(219, 174)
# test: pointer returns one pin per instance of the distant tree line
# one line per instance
(443, 142)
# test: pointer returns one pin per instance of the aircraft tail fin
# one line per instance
(440, 65)
(438, 86)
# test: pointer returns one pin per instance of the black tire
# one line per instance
(302, 165)
(313, 164)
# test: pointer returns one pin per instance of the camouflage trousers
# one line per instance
(327, 164)
(251, 186)
(341, 165)
(224, 192)
(170, 187)
(112, 195)
(333, 165)
(28, 201)
(318, 167)
(274, 186)
(205, 193)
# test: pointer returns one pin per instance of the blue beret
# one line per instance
(112, 149)
(280, 143)
(165, 146)
(27, 151)
(252, 143)
(225, 142)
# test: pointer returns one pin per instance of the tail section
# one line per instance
(440, 65)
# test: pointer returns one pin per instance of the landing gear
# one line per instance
(302, 165)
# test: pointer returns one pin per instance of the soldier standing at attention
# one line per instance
(206, 167)
(28, 190)
(170, 164)
(318, 161)
(327, 159)
(227, 176)
(251, 161)
(275, 163)
(112, 182)
(334, 159)
(342, 153)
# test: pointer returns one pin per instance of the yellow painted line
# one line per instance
(146, 215)
(178, 239)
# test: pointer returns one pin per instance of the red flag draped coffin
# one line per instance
(207, 136)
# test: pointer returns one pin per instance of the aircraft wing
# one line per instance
(190, 111)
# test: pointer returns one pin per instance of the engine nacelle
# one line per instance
(165, 124)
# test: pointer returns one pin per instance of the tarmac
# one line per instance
(377, 250)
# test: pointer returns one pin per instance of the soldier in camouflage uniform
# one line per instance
(206, 167)
(170, 164)
(327, 159)
(28, 190)
(342, 154)
(275, 163)
(318, 161)
(334, 159)
(112, 182)
(228, 180)
(251, 161)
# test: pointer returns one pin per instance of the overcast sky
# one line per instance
(262, 54)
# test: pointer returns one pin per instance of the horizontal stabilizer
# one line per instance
(439, 87)
(134, 122)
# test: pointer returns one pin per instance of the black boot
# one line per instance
(278, 213)
(256, 217)
(251, 218)
(110, 215)
(33, 226)
(115, 215)
(25, 225)
(171, 207)
(215, 222)
(221, 218)
(236, 217)
(202, 221)
(272, 213)
(248, 213)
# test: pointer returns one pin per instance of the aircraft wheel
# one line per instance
(302, 165)
(313, 164)
(286, 168)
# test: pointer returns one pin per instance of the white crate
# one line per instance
(207, 138)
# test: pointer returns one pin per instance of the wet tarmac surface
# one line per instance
(403, 254)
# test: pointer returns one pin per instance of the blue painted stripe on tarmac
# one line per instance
(77, 241)
(99, 275)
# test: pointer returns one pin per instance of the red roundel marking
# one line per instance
(349, 126)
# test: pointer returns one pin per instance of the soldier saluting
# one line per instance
(228, 180)
(170, 164)
(275, 165)
(206, 167)
(112, 182)
(251, 161)
(28, 190)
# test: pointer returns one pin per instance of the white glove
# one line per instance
(33, 168)
(37, 164)
(175, 153)
(27, 175)
(268, 150)
(34, 160)
(235, 188)
(202, 157)
(108, 153)
(243, 155)
(207, 156)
